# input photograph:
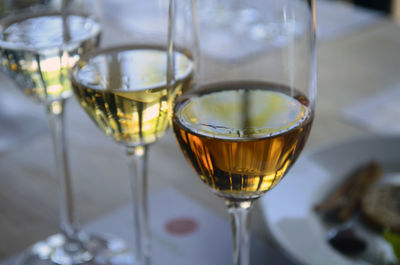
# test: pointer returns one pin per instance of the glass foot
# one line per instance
(96, 251)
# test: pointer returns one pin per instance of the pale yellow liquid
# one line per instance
(124, 91)
(37, 56)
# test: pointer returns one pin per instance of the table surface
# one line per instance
(351, 66)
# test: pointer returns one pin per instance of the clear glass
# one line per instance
(246, 118)
(40, 41)
(124, 89)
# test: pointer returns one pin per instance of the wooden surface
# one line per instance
(350, 67)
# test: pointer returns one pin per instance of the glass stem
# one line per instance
(240, 222)
(55, 112)
(138, 168)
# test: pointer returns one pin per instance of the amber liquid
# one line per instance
(241, 138)
(124, 91)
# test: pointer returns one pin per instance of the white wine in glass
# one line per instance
(35, 55)
(249, 112)
(127, 89)
(124, 90)
(40, 41)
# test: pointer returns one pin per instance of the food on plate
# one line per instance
(380, 207)
(345, 199)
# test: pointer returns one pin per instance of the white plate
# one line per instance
(288, 209)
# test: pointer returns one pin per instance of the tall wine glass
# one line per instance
(39, 42)
(124, 89)
(249, 114)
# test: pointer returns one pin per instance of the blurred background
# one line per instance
(389, 7)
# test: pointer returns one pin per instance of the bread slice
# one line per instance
(380, 207)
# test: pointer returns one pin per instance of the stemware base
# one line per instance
(97, 251)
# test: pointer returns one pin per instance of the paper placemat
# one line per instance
(379, 113)
(208, 243)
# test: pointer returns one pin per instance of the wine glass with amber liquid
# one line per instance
(250, 110)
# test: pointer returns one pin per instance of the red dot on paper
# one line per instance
(181, 226)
